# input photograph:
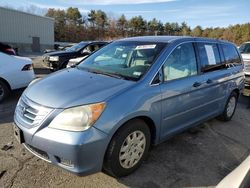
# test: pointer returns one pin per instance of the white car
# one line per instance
(15, 72)
(245, 53)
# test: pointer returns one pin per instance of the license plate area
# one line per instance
(18, 134)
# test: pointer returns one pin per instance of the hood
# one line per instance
(245, 57)
(60, 53)
(24, 59)
(77, 60)
(73, 87)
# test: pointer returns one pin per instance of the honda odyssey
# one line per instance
(105, 113)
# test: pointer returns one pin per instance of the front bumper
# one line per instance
(81, 153)
(247, 80)
(50, 64)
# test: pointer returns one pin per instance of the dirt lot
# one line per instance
(196, 158)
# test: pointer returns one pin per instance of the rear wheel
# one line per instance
(127, 149)
(230, 107)
(4, 91)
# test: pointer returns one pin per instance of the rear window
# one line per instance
(209, 56)
(245, 48)
(231, 54)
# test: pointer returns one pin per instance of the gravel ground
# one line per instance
(199, 157)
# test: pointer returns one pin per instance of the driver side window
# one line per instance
(180, 63)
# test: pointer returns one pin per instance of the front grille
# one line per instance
(247, 66)
(46, 58)
(38, 152)
(30, 114)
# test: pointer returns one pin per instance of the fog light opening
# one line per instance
(65, 162)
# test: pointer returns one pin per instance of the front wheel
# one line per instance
(230, 107)
(127, 149)
(4, 91)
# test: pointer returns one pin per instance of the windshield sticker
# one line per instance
(210, 54)
(124, 55)
(137, 73)
(143, 47)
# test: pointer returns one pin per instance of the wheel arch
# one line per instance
(6, 82)
(237, 91)
(149, 122)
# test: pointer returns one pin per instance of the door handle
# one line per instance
(197, 84)
(209, 81)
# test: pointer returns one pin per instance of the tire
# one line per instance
(63, 65)
(230, 107)
(124, 155)
(4, 91)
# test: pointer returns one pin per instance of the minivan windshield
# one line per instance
(245, 48)
(76, 47)
(123, 59)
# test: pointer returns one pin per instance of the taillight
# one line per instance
(27, 67)
(11, 51)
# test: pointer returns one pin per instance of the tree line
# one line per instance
(72, 26)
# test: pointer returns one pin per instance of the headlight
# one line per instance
(53, 58)
(78, 118)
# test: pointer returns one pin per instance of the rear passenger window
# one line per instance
(209, 57)
(231, 55)
(180, 63)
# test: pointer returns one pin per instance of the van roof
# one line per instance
(168, 39)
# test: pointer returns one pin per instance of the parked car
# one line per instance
(128, 95)
(15, 72)
(59, 60)
(5, 48)
(245, 53)
(75, 61)
(59, 47)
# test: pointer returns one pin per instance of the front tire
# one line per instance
(127, 149)
(4, 91)
(230, 107)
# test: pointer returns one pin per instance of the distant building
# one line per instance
(25, 31)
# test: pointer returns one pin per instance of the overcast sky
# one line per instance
(207, 13)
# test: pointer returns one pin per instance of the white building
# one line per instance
(25, 31)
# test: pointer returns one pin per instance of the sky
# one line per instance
(206, 13)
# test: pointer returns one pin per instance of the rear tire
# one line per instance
(230, 107)
(4, 91)
(127, 149)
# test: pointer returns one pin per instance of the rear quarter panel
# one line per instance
(10, 70)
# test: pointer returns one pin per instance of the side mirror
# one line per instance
(156, 80)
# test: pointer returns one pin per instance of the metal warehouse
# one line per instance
(26, 32)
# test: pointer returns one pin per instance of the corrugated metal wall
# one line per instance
(20, 27)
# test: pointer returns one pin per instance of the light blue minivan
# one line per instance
(106, 112)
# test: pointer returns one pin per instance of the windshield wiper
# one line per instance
(109, 74)
(106, 74)
(113, 74)
(117, 75)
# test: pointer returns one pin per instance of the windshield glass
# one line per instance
(76, 47)
(127, 60)
(245, 48)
